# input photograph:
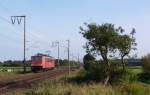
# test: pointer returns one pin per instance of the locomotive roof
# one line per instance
(39, 54)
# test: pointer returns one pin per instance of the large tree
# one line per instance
(105, 40)
(101, 40)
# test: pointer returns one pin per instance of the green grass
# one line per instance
(8, 73)
(57, 87)
(135, 70)
(53, 87)
(13, 69)
(60, 86)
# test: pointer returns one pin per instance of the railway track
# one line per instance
(27, 80)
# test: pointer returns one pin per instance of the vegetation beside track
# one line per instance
(65, 85)
(7, 75)
(135, 70)
(14, 69)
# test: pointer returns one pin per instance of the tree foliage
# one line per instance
(105, 40)
(125, 44)
(101, 39)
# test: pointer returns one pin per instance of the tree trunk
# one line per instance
(107, 72)
(122, 61)
(106, 80)
(105, 59)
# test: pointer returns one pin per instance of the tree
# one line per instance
(125, 44)
(88, 59)
(101, 40)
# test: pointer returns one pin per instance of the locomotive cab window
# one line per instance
(37, 58)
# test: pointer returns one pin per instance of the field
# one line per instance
(13, 69)
(61, 86)
(7, 73)
(135, 70)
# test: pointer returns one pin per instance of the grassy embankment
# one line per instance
(13, 69)
(7, 73)
(61, 86)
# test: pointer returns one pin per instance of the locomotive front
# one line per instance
(42, 62)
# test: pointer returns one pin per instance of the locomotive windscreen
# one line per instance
(36, 58)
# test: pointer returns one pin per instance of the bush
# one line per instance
(146, 63)
(117, 76)
(98, 70)
(145, 76)
(88, 60)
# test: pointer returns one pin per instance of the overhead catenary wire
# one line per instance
(12, 28)
(4, 19)
(33, 41)
(33, 37)
(30, 33)
(10, 39)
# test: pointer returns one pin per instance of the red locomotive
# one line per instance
(42, 62)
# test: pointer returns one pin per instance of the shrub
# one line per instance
(146, 63)
(88, 60)
(97, 71)
(117, 75)
(145, 76)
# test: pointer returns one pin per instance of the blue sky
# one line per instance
(51, 20)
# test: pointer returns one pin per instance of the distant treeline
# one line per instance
(130, 62)
(135, 62)
(18, 63)
(64, 62)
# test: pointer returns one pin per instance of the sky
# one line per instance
(48, 21)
